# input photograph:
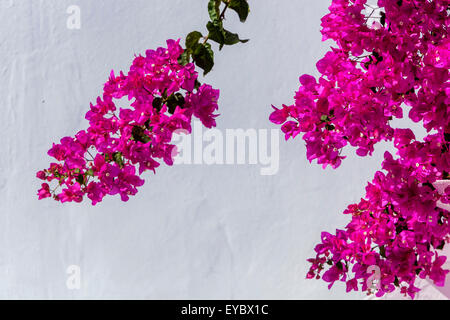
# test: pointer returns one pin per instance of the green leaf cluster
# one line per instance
(201, 51)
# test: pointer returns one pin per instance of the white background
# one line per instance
(192, 232)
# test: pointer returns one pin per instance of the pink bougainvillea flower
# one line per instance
(44, 192)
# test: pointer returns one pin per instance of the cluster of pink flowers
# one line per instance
(388, 58)
(397, 226)
(122, 143)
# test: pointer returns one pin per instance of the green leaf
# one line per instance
(157, 103)
(164, 94)
(192, 39)
(382, 18)
(233, 38)
(117, 156)
(90, 172)
(214, 10)
(183, 59)
(383, 251)
(197, 84)
(241, 7)
(447, 137)
(175, 100)
(441, 245)
(223, 37)
(80, 179)
(204, 57)
(216, 32)
(138, 134)
(396, 282)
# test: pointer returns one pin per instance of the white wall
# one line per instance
(192, 231)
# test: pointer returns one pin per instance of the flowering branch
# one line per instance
(380, 65)
(165, 94)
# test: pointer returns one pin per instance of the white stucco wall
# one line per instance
(193, 231)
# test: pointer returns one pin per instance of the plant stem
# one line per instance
(222, 15)
(221, 18)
